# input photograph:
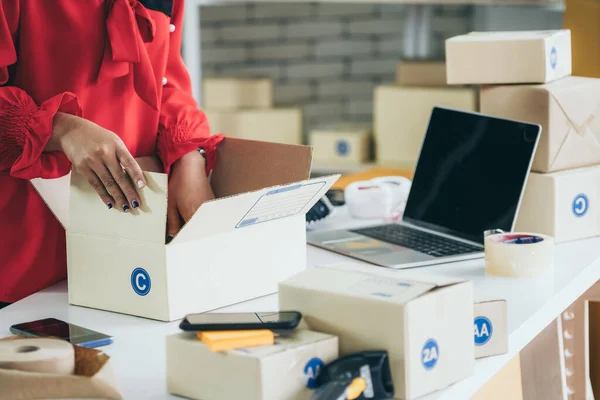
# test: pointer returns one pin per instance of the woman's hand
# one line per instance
(188, 189)
(101, 156)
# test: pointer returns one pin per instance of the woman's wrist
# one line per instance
(61, 125)
(192, 159)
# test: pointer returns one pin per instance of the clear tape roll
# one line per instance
(518, 254)
(52, 356)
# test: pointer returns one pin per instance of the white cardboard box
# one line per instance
(564, 205)
(278, 125)
(278, 372)
(237, 93)
(341, 144)
(508, 57)
(235, 248)
(490, 328)
(425, 322)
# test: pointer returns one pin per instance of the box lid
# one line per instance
(507, 36)
(297, 338)
(383, 285)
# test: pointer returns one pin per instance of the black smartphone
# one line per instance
(241, 321)
(52, 327)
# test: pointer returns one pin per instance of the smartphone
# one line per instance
(241, 321)
(52, 327)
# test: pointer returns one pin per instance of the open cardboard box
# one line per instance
(93, 378)
(235, 248)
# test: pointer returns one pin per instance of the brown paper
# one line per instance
(93, 378)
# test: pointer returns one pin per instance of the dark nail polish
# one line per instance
(125, 207)
(169, 238)
(135, 204)
(109, 205)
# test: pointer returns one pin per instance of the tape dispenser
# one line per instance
(383, 197)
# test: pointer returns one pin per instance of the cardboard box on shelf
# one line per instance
(490, 328)
(425, 322)
(236, 93)
(278, 125)
(421, 73)
(343, 144)
(508, 57)
(234, 248)
(568, 111)
(562, 204)
(581, 17)
(402, 114)
(278, 372)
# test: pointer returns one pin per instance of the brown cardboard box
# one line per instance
(402, 115)
(582, 17)
(236, 93)
(341, 144)
(279, 125)
(421, 73)
(277, 372)
(93, 378)
(568, 111)
(508, 57)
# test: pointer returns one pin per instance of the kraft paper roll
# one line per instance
(50, 356)
(518, 254)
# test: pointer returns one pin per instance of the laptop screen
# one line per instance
(470, 174)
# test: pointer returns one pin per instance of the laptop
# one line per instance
(469, 178)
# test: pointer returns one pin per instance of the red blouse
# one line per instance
(114, 62)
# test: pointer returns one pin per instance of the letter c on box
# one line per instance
(140, 281)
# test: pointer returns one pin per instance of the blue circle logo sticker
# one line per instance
(312, 369)
(430, 354)
(140, 281)
(553, 57)
(483, 330)
(342, 147)
(581, 204)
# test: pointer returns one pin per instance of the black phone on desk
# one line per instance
(55, 328)
(241, 321)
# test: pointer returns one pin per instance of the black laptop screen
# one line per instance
(470, 173)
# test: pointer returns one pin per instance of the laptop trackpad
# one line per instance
(375, 250)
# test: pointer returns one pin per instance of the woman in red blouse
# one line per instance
(90, 85)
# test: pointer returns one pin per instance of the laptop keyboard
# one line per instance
(433, 245)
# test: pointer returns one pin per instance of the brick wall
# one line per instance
(324, 57)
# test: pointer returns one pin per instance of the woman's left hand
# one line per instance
(188, 189)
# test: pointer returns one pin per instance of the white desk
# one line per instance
(138, 353)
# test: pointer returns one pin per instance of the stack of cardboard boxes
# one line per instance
(528, 78)
(402, 110)
(243, 108)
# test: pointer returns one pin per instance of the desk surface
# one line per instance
(138, 352)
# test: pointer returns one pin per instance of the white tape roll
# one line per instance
(51, 356)
(518, 254)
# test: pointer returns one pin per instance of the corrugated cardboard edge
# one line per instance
(95, 379)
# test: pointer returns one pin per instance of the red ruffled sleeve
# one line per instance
(182, 127)
(25, 127)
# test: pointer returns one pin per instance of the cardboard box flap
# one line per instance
(88, 215)
(579, 106)
(254, 208)
(284, 342)
(55, 193)
(248, 165)
(505, 35)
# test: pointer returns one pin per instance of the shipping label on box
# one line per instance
(490, 328)
(277, 125)
(508, 57)
(402, 115)
(423, 321)
(421, 73)
(285, 370)
(233, 249)
(236, 93)
(568, 111)
(563, 204)
(343, 144)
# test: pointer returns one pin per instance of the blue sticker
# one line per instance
(312, 369)
(581, 204)
(140, 281)
(430, 354)
(482, 330)
(343, 148)
(553, 57)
